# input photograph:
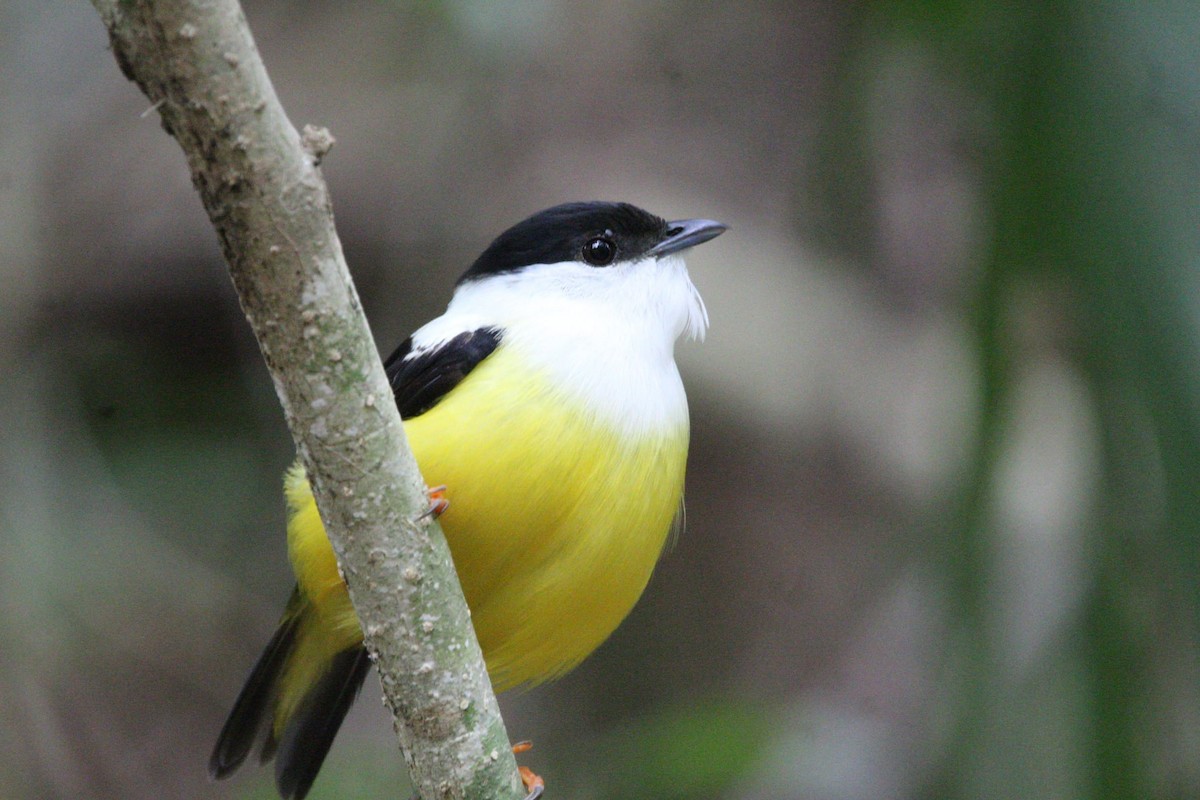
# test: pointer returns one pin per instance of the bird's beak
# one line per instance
(685, 233)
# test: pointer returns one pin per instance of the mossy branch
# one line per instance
(262, 188)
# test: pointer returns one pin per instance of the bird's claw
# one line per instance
(532, 781)
(437, 504)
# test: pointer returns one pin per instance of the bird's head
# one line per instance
(613, 257)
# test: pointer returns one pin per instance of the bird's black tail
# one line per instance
(299, 742)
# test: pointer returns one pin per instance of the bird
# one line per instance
(546, 400)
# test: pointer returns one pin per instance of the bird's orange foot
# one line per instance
(437, 504)
(533, 782)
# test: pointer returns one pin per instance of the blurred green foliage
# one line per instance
(142, 529)
(1092, 183)
(701, 750)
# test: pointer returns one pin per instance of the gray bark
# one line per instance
(261, 186)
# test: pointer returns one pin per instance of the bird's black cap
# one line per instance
(561, 233)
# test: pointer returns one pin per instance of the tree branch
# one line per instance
(261, 186)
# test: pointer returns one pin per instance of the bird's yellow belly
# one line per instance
(555, 522)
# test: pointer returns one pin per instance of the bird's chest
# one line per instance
(536, 445)
(559, 503)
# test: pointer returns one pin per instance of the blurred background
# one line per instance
(943, 531)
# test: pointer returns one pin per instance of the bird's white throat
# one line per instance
(604, 336)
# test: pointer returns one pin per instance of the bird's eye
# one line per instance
(599, 251)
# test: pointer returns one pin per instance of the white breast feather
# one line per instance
(605, 336)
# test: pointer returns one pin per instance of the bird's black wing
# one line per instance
(420, 379)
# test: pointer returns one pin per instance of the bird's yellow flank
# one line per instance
(552, 551)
